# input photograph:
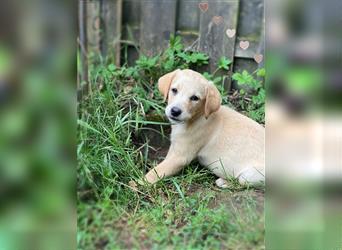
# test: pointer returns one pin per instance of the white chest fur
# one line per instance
(178, 130)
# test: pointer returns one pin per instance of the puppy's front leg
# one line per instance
(171, 165)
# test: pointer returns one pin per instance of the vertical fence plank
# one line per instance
(83, 74)
(130, 31)
(251, 29)
(131, 18)
(261, 48)
(158, 21)
(220, 16)
(188, 21)
(250, 25)
(111, 28)
(93, 27)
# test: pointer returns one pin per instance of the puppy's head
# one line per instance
(189, 95)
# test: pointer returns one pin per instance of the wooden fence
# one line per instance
(230, 28)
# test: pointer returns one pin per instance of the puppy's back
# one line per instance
(238, 138)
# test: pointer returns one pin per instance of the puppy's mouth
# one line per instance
(174, 119)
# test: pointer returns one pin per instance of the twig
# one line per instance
(128, 42)
(192, 45)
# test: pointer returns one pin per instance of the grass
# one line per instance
(121, 134)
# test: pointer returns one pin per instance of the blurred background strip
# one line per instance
(303, 125)
(37, 125)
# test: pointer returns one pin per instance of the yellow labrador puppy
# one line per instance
(223, 140)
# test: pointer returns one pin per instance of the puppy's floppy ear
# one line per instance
(164, 83)
(212, 100)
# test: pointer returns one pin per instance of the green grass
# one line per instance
(121, 134)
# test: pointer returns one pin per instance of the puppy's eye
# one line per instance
(194, 98)
(174, 90)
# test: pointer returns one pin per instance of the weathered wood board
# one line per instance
(130, 31)
(250, 24)
(220, 16)
(250, 28)
(111, 30)
(121, 29)
(158, 21)
(93, 26)
(187, 21)
(82, 77)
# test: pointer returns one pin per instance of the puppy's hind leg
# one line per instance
(221, 183)
(251, 176)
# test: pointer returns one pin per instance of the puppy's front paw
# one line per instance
(221, 183)
(135, 184)
(151, 177)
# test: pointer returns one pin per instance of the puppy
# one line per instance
(223, 140)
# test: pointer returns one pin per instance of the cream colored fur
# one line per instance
(223, 140)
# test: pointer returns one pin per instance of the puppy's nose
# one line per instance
(175, 111)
